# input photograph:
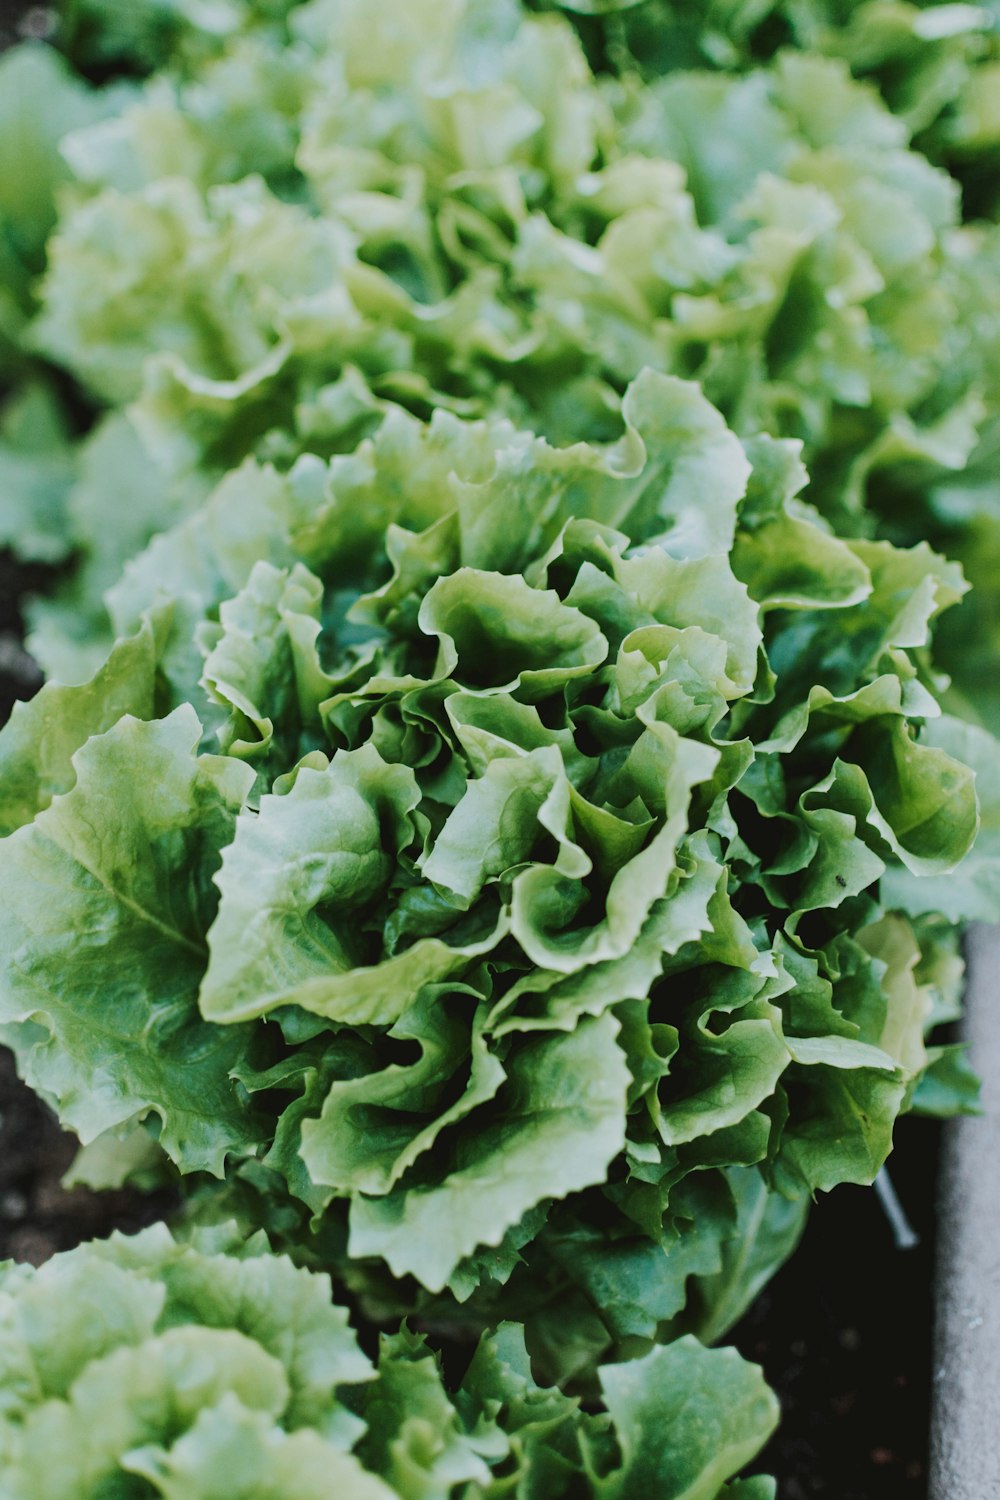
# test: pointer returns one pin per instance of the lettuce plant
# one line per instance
(477, 850)
(193, 1371)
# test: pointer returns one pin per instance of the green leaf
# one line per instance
(41, 101)
(636, 1285)
(562, 1122)
(691, 453)
(768, 1228)
(840, 1128)
(597, 7)
(265, 654)
(948, 1085)
(497, 632)
(723, 1077)
(372, 1129)
(39, 742)
(718, 1402)
(232, 1453)
(544, 1427)
(496, 826)
(414, 1436)
(760, 1487)
(782, 552)
(317, 846)
(724, 132)
(103, 1017)
(546, 899)
(970, 892)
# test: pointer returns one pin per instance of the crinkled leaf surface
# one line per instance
(127, 856)
(730, 1410)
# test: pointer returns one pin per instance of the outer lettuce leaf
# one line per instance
(736, 1413)
(971, 892)
(768, 1228)
(37, 749)
(131, 848)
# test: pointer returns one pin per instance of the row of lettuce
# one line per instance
(491, 832)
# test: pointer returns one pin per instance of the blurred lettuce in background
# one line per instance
(287, 230)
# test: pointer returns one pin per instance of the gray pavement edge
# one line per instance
(965, 1421)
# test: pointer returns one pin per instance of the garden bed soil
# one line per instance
(843, 1332)
(22, 18)
(844, 1335)
(19, 677)
(38, 1216)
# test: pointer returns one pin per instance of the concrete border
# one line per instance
(965, 1421)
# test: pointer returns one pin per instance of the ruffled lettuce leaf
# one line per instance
(131, 847)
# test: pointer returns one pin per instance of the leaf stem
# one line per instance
(903, 1232)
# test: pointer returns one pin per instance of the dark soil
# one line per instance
(843, 1332)
(19, 677)
(38, 1216)
(21, 19)
(844, 1336)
